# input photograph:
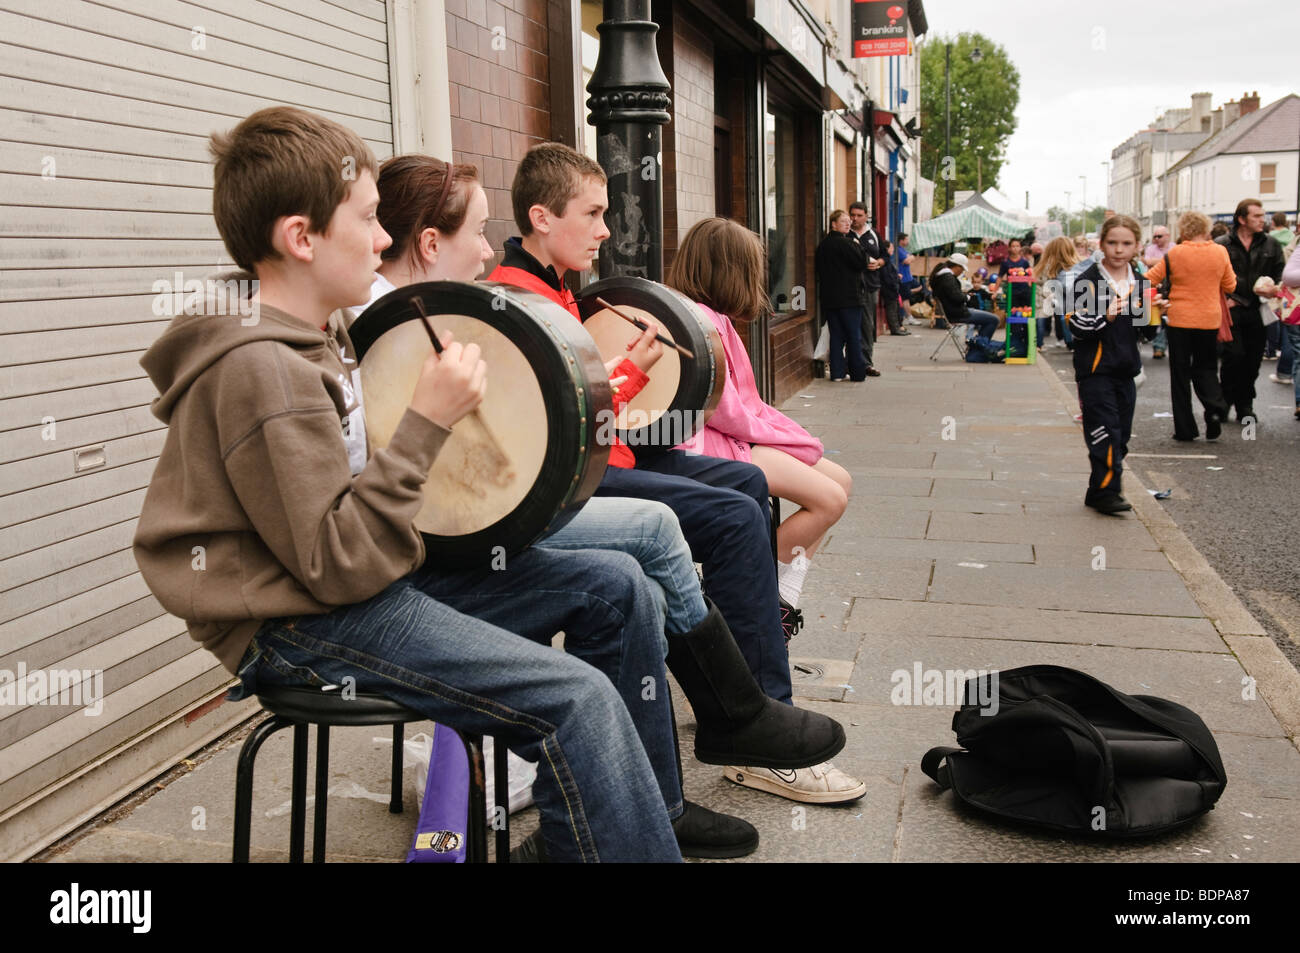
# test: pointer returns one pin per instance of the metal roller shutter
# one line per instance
(105, 188)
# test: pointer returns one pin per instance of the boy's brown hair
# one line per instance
(549, 175)
(721, 264)
(280, 161)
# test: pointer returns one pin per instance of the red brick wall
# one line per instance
(500, 99)
(792, 348)
(688, 139)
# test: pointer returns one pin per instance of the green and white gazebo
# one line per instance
(974, 218)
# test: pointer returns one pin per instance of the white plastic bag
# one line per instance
(822, 352)
(418, 749)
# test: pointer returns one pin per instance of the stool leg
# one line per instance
(298, 814)
(395, 799)
(475, 823)
(501, 772)
(244, 785)
(322, 794)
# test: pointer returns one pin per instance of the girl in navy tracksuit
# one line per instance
(1105, 311)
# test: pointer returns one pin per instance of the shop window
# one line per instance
(781, 206)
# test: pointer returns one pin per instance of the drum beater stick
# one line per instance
(643, 326)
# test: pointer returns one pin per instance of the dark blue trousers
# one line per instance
(1107, 404)
(723, 509)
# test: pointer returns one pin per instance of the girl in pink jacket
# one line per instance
(721, 265)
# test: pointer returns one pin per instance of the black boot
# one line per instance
(704, 833)
(738, 724)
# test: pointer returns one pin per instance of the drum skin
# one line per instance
(690, 389)
(525, 462)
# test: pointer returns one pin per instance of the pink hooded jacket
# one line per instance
(742, 418)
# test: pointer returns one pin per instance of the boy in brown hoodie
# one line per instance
(289, 550)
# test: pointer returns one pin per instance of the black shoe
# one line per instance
(791, 621)
(904, 332)
(1109, 503)
(1189, 439)
(1243, 413)
(872, 372)
(737, 723)
(1213, 427)
(704, 833)
(531, 850)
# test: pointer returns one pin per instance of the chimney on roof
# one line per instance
(1200, 110)
(1249, 104)
(1216, 120)
(1231, 112)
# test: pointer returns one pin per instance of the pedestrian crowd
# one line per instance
(1217, 302)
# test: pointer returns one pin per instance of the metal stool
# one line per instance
(302, 707)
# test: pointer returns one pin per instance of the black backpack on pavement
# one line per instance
(1065, 751)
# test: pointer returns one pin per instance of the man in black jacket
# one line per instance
(945, 285)
(873, 248)
(1254, 255)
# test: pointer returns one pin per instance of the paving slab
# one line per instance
(1005, 490)
(1096, 530)
(1044, 587)
(950, 550)
(947, 504)
(870, 523)
(1209, 684)
(1243, 827)
(1079, 555)
(886, 618)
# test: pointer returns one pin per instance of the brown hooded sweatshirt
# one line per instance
(253, 512)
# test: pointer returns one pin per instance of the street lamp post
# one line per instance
(1083, 202)
(947, 127)
(976, 55)
(629, 106)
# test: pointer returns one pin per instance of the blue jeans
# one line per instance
(602, 794)
(985, 323)
(1286, 353)
(846, 333)
(1161, 341)
(729, 533)
(649, 533)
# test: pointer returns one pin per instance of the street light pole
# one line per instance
(947, 127)
(1083, 202)
(629, 105)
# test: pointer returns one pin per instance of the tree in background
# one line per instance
(984, 100)
(1076, 223)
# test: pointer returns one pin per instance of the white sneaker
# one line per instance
(1281, 379)
(821, 784)
(915, 321)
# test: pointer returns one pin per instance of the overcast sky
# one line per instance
(1093, 74)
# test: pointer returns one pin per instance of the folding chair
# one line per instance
(952, 335)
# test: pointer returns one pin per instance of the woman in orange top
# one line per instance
(1199, 272)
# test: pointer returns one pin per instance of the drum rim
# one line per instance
(570, 425)
(703, 397)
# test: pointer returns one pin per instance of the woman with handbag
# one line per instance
(1197, 273)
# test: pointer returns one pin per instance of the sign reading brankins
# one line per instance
(880, 28)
